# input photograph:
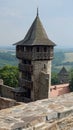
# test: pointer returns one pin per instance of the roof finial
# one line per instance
(37, 12)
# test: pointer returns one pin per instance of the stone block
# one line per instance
(52, 116)
(65, 113)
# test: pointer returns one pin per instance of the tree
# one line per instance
(9, 74)
(54, 78)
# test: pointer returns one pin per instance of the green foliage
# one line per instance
(71, 80)
(54, 79)
(10, 75)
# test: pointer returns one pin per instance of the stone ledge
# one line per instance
(48, 114)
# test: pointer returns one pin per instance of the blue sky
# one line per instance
(16, 16)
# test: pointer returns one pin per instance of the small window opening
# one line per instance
(37, 49)
(45, 49)
(44, 66)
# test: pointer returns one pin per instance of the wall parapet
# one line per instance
(48, 114)
(6, 91)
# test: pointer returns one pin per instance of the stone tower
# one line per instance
(63, 76)
(35, 53)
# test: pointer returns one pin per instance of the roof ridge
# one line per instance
(38, 33)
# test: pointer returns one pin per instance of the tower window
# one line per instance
(29, 49)
(27, 93)
(44, 66)
(26, 62)
(24, 48)
(45, 49)
(26, 76)
(37, 49)
(51, 48)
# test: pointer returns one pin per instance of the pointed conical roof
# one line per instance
(36, 35)
(63, 70)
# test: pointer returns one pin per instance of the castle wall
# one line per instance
(6, 103)
(39, 66)
(6, 91)
(43, 89)
(48, 114)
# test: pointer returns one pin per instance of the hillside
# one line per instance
(62, 58)
(69, 57)
(7, 58)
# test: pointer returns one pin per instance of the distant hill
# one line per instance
(62, 57)
(8, 58)
(8, 48)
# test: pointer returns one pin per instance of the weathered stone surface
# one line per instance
(6, 91)
(48, 114)
(6, 103)
(1, 82)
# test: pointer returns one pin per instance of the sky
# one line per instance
(16, 17)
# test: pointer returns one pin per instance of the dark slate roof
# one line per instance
(36, 35)
(63, 71)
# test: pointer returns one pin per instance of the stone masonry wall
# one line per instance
(6, 103)
(6, 91)
(48, 114)
(43, 89)
(39, 66)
